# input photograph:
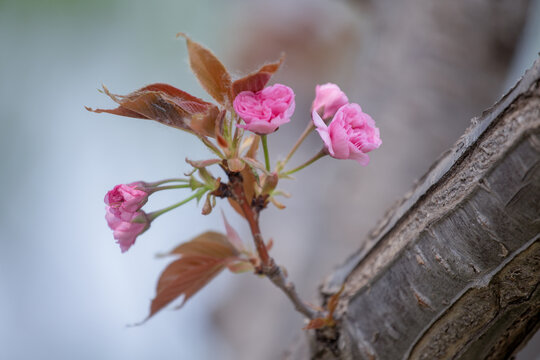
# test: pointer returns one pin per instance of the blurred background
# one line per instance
(421, 68)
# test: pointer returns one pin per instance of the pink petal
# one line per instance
(322, 129)
(232, 235)
(340, 140)
(358, 156)
(261, 128)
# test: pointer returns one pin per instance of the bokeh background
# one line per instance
(421, 68)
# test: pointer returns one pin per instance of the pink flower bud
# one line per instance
(350, 135)
(264, 111)
(330, 98)
(123, 213)
(130, 197)
(126, 225)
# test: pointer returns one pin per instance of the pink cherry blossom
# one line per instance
(330, 98)
(128, 197)
(350, 135)
(123, 213)
(126, 225)
(264, 111)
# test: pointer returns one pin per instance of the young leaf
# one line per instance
(165, 104)
(205, 123)
(210, 243)
(318, 323)
(201, 259)
(211, 73)
(257, 80)
(185, 276)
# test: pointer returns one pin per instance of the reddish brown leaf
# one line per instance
(167, 105)
(205, 122)
(211, 73)
(210, 243)
(201, 259)
(257, 80)
(333, 302)
(316, 323)
(185, 276)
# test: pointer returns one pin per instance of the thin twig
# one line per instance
(268, 266)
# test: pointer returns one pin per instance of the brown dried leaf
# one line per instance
(257, 80)
(211, 73)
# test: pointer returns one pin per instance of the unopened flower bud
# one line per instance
(330, 98)
(126, 226)
(130, 197)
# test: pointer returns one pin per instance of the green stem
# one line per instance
(319, 155)
(156, 183)
(211, 146)
(298, 142)
(153, 215)
(266, 156)
(183, 186)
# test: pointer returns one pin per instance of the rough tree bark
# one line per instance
(452, 271)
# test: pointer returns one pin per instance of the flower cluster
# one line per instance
(351, 133)
(247, 110)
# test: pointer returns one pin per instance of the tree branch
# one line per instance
(268, 266)
(453, 270)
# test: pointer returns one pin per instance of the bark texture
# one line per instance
(452, 271)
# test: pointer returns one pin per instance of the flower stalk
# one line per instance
(266, 155)
(317, 156)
